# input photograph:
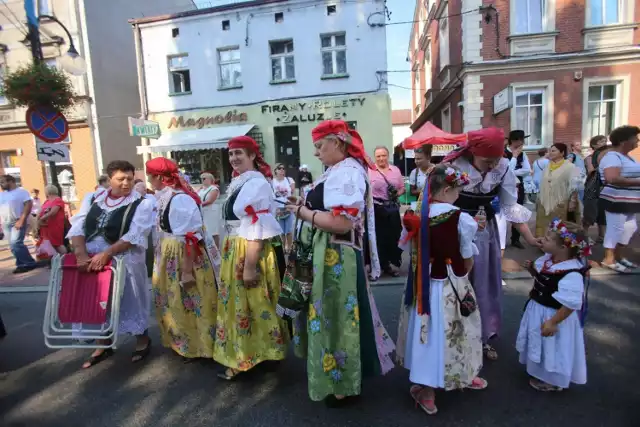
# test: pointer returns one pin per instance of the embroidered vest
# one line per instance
(546, 284)
(444, 244)
(110, 225)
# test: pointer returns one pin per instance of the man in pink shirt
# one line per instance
(387, 184)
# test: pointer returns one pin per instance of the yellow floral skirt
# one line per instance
(248, 331)
(187, 317)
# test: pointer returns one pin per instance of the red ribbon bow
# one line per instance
(254, 214)
(192, 243)
(411, 222)
(349, 211)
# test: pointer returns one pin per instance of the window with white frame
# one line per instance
(179, 75)
(604, 12)
(601, 108)
(334, 54)
(529, 16)
(443, 31)
(282, 63)
(230, 69)
(529, 109)
(3, 99)
(446, 119)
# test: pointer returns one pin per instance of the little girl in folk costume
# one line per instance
(551, 339)
(439, 339)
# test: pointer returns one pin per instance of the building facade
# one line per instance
(272, 69)
(108, 92)
(561, 70)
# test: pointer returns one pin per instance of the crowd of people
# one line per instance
(274, 264)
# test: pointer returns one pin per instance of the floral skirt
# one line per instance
(337, 333)
(187, 317)
(248, 331)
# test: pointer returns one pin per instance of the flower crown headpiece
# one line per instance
(569, 238)
(456, 178)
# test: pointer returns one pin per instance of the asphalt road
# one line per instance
(40, 387)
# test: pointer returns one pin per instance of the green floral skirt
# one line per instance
(336, 333)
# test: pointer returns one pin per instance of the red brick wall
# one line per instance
(568, 97)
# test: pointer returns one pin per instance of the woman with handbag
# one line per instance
(340, 332)
(387, 184)
(440, 332)
(248, 331)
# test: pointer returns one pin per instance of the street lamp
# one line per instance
(72, 62)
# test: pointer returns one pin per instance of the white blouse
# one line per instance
(571, 286)
(141, 223)
(255, 195)
(467, 228)
(501, 176)
(345, 187)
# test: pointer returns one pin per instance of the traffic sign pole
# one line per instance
(36, 53)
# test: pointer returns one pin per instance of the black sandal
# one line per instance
(94, 360)
(331, 401)
(139, 355)
(228, 374)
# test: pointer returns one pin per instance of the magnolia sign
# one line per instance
(202, 121)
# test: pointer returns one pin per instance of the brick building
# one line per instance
(562, 70)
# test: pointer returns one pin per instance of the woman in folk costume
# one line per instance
(248, 331)
(184, 286)
(340, 333)
(440, 329)
(117, 221)
(481, 158)
(559, 190)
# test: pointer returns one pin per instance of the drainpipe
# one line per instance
(142, 83)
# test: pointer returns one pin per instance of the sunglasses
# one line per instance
(280, 168)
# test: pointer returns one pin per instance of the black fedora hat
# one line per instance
(516, 135)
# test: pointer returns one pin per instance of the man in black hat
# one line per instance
(519, 163)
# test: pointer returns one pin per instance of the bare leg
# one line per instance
(610, 256)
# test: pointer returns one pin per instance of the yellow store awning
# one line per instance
(195, 139)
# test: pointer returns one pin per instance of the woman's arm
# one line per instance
(99, 261)
(614, 176)
(588, 164)
(52, 212)
(250, 271)
(326, 221)
(211, 198)
(293, 186)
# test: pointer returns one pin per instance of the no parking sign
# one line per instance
(47, 123)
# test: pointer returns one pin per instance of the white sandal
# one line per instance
(618, 268)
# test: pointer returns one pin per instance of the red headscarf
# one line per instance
(487, 142)
(250, 144)
(170, 174)
(340, 129)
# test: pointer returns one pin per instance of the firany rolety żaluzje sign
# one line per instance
(313, 111)
(144, 128)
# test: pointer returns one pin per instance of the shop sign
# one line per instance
(443, 150)
(202, 121)
(312, 111)
(502, 100)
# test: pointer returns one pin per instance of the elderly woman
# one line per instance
(51, 220)
(340, 333)
(184, 286)
(559, 188)
(117, 222)
(209, 193)
(620, 197)
(387, 185)
(248, 331)
(481, 158)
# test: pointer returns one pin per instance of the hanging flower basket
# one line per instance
(38, 85)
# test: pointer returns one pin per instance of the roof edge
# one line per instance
(206, 11)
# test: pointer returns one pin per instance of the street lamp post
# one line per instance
(72, 62)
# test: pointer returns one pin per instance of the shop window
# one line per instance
(179, 75)
(282, 63)
(604, 12)
(601, 109)
(334, 54)
(529, 107)
(230, 69)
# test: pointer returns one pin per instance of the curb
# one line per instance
(23, 289)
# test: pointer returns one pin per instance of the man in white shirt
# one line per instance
(519, 164)
(15, 207)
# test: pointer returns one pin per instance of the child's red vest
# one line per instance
(444, 245)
